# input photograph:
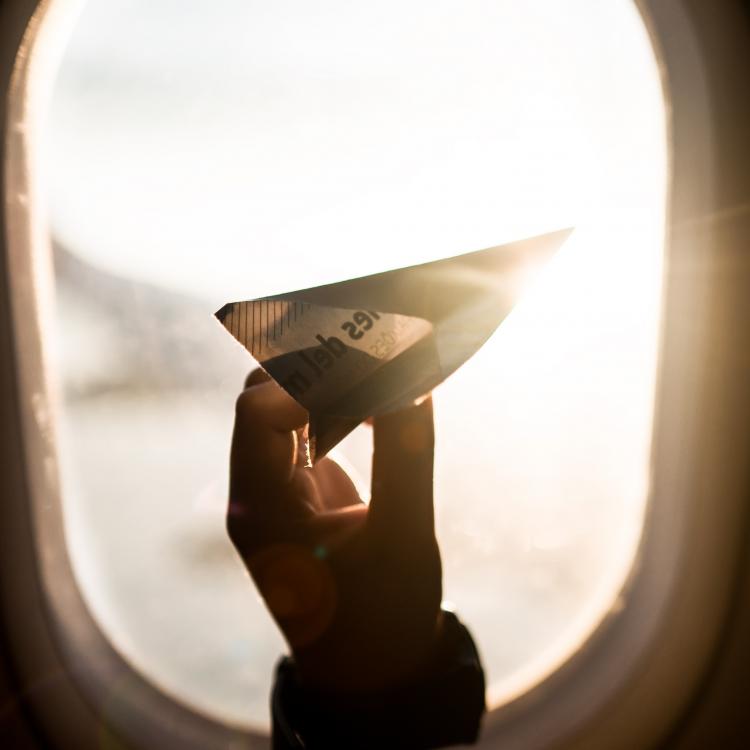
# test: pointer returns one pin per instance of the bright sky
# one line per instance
(261, 146)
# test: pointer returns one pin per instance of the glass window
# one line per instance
(198, 154)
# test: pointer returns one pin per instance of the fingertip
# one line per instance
(409, 431)
(255, 377)
(426, 399)
(268, 403)
(246, 404)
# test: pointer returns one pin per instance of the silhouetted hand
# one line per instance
(355, 590)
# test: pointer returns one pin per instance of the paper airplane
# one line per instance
(358, 348)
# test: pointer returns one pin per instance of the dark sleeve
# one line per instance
(443, 707)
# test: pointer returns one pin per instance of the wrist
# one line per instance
(439, 704)
(343, 665)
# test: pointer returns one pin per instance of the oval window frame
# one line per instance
(683, 550)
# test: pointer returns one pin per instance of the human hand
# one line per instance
(355, 590)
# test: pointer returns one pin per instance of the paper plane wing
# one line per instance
(357, 348)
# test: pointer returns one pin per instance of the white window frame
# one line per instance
(631, 679)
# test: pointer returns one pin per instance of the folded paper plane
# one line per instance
(358, 348)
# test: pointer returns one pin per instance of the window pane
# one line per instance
(204, 153)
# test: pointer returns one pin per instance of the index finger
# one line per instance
(264, 445)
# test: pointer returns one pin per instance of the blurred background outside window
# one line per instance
(199, 153)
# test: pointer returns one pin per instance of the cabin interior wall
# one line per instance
(718, 716)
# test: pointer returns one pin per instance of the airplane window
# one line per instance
(197, 155)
